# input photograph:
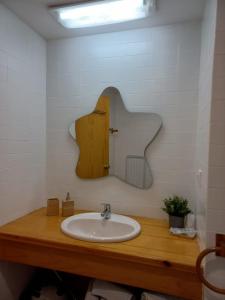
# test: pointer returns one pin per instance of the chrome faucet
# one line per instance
(106, 214)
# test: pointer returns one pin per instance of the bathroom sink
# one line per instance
(92, 227)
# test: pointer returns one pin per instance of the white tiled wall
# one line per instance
(203, 126)
(156, 70)
(22, 131)
(216, 186)
(211, 139)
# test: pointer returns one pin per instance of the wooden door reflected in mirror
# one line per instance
(92, 134)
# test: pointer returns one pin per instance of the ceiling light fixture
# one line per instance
(99, 12)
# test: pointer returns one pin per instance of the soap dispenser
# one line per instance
(67, 206)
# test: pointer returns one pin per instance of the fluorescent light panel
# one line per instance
(102, 12)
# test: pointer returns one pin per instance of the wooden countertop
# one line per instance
(154, 247)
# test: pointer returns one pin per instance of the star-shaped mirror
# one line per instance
(114, 141)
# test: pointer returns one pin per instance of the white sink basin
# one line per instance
(92, 227)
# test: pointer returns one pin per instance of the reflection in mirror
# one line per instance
(114, 141)
(92, 136)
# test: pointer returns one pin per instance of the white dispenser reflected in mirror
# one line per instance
(114, 141)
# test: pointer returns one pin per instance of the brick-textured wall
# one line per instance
(215, 220)
(22, 132)
(22, 117)
(156, 70)
(204, 110)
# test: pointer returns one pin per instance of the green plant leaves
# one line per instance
(176, 206)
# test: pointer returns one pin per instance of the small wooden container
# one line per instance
(53, 207)
(67, 207)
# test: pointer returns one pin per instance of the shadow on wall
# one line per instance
(13, 279)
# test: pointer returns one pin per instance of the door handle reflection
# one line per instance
(112, 130)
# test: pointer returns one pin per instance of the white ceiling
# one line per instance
(35, 14)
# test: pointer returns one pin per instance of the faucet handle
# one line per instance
(107, 206)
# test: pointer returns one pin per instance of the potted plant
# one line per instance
(177, 208)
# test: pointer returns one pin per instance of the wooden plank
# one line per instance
(162, 279)
(147, 246)
(161, 263)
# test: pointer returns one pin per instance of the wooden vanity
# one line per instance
(155, 260)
